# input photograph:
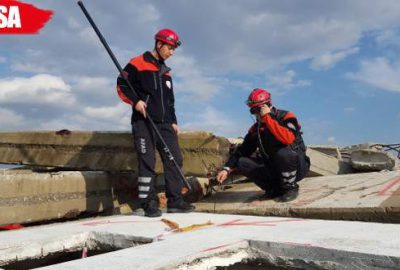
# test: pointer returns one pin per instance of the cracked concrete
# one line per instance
(308, 243)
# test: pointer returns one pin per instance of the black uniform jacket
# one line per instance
(276, 129)
(151, 79)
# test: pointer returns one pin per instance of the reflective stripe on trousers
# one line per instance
(289, 177)
(144, 187)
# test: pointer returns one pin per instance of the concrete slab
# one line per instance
(108, 151)
(330, 150)
(322, 164)
(27, 196)
(113, 151)
(315, 244)
(366, 197)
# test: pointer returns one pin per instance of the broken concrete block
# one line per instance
(322, 164)
(371, 160)
(108, 151)
(334, 151)
(346, 151)
(27, 196)
(330, 150)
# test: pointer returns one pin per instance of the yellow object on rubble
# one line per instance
(175, 226)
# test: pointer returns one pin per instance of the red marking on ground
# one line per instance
(388, 186)
(104, 222)
(11, 227)
(221, 246)
(239, 222)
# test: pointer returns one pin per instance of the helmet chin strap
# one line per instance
(160, 58)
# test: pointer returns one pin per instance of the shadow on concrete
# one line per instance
(116, 192)
(234, 196)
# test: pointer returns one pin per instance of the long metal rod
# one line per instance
(104, 42)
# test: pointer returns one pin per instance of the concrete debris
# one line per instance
(322, 164)
(330, 150)
(194, 240)
(107, 151)
(113, 151)
(346, 151)
(371, 160)
(27, 197)
(371, 157)
(362, 157)
(46, 193)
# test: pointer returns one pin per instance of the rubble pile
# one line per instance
(67, 174)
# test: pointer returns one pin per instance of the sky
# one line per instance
(334, 64)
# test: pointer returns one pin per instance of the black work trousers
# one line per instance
(279, 172)
(146, 142)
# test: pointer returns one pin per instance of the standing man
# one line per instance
(283, 161)
(152, 81)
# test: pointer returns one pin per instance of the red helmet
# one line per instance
(258, 97)
(168, 36)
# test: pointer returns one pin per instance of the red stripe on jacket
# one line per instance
(143, 65)
(123, 97)
(282, 134)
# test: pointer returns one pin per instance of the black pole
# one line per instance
(104, 42)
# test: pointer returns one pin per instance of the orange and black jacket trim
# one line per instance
(276, 130)
(152, 82)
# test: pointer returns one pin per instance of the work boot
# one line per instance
(271, 194)
(151, 209)
(288, 195)
(180, 207)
